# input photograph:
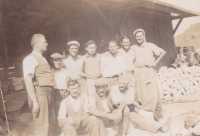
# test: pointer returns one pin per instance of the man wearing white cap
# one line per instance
(112, 64)
(39, 83)
(98, 106)
(146, 86)
(92, 65)
(74, 64)
(129, 58)
(122, 94)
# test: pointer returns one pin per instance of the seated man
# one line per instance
(98, 106)
(124, 94)
(73, 116)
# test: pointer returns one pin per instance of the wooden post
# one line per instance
(5, 50)
(179, 22)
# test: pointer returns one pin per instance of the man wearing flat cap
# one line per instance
(74, 64)
(92, 65)
(146, 86)
(39, 83)
(61, 78)
(98, 106)
(122, 94)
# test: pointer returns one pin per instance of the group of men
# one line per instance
(90, 93)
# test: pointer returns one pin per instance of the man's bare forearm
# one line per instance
(162, 54)
(97, 112)
(84, 116)
(30, 88)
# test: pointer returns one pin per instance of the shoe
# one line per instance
(166, 125)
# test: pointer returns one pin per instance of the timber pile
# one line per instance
(176, 84)
(16, 84)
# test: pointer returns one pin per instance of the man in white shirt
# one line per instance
(112, 64)
(74, 65)
(123, 94)
(39, 83)
(73, 116)
(129, 58)
(98, 106)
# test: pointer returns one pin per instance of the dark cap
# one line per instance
(56, 56)
(73, 43)
(89, 43)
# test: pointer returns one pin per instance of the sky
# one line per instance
(193, 5)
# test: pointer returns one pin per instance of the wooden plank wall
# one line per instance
(91, 26)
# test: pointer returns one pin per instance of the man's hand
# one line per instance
(152, 64)
(115, 117)
(36, 108)
(70, 120)
(77, 123)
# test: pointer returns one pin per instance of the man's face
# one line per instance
(123, 85)
(101, 90)
(112, 48)
(73, 50)
(74, 90)
(139, 37)
(42, 44)
(91, 49)
(57, 63)
(126, 44)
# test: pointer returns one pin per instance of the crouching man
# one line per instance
(98, 106)
(123, 94)
(73, 116)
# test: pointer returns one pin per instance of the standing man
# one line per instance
(98, 106)
(122, 94)
(74, 65)
(129, 57)
(146, 86)
(112, 64)
(73, 116)
(92, 65)
(39, 83)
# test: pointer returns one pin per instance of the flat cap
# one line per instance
(138, 30)
(73, 43)
(123, 78)
(56, 56)
(89, 43)
(100, 82)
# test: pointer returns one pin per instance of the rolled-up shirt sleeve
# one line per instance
(29, 65)
(62, 113)
(157, 50)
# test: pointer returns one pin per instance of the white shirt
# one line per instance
(61, 77)
(30, 63)
(117, 96)
(112, 66)
(76, 103)
(92, 103)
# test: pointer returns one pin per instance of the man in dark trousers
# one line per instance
(39, 83)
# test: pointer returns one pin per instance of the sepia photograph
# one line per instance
(99, 67)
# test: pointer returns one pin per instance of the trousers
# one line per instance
(45, 118)
(90, 126)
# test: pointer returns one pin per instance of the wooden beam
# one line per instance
(122, 20)
(178, 24)
(180, 16)
(107, 23)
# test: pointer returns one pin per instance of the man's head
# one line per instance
(73, 87)
(91, 47)
(123, 83)
(38, 42)
(101, 86)
(139, 35)
(125, 42)
(113, 47)
(56, 60)
(73, 48)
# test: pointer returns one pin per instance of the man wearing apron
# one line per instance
(147, 93)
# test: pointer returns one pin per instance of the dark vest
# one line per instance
(43, 74)
(70, 111)
(99, 104)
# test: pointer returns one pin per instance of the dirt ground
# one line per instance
(21, 125)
